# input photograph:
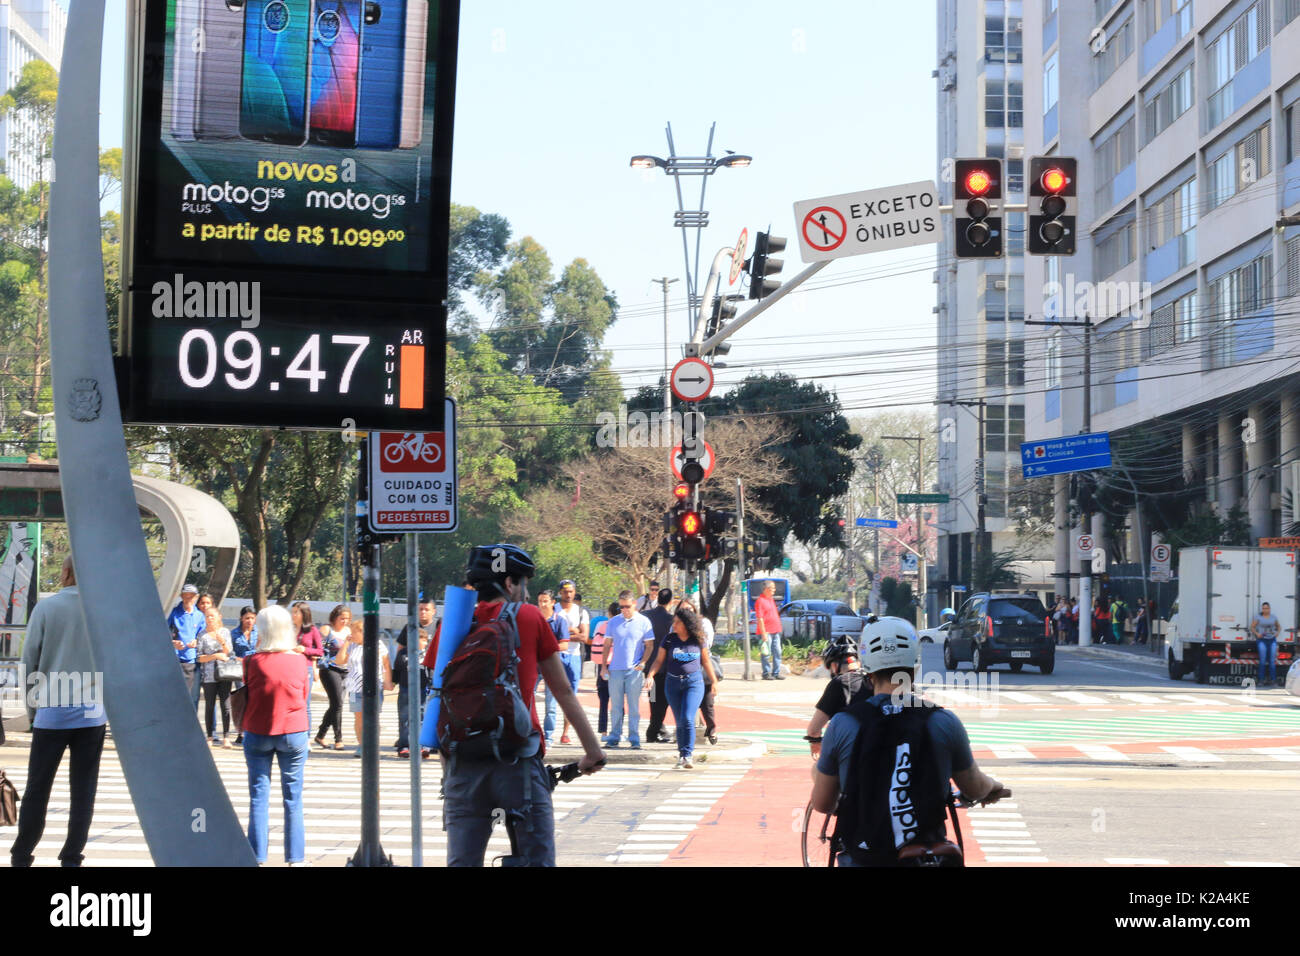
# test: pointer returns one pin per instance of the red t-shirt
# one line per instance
(277, 693)
(536, 644)
(765, 611)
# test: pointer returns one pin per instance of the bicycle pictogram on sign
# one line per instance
(412, 451)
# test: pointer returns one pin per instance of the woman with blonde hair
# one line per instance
(275, 722)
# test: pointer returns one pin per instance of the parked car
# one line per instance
(935, 635)
(997, 628)
(843, 620)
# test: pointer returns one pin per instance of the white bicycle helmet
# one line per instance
(889, 643)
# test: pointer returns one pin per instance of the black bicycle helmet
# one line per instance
(840, 648)
(493, 563)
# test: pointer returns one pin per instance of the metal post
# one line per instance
(1085, 570)
(178, 796)
(981, 498)
(849, 525)
(665, 282)
(875, 581)
(740, 568)
(920, 535)
(413, 696)
(370, 852)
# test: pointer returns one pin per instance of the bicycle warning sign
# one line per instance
(413, 479)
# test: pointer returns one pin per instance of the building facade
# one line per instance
(980, 309)
(31, 30)
(1184, 116)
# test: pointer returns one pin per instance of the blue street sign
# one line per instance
(1059, 456)
(876, 523)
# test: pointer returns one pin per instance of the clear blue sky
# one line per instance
(553, 99)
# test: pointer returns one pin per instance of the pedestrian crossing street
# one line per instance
(332, 801)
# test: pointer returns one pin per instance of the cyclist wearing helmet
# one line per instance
(847, 686)
(890, 784)
(475, 791)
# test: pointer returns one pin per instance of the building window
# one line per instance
(1015, 104)
(1119, 47)
(1100, 8)
(994, 103)
(1287, 10)
(1225, 57)
(1114, 153)
(1174, 216)
(1052, 361)
(1051, 81)
(1172, 324)
(1163, 107)
(1187, 320)
(1117, 250)
(1248, 161)
(1293, 264)
(1159, 12)
(1234, 295)
(1292, 117)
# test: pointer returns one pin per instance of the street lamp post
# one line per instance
(921, 582)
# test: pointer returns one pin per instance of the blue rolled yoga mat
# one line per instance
(457, 615)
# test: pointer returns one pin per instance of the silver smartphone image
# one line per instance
(187, 40)
(221, 25)
(417, 35)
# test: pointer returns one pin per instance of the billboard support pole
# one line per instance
(182, 805)
(369, 851)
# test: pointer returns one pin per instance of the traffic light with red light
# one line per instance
(976, 208)
(1052, 213)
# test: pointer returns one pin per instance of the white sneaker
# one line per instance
(686, 763)
(681, 763)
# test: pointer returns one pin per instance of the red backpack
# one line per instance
(483, 711)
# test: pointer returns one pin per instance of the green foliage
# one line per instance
(897, 598)
(817, 591)
(1207, 527)
(571, 557)
(816, 451)
(992, 569)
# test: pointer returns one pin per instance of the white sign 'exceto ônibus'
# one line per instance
(874, 220)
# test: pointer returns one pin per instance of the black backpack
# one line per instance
(891, 801)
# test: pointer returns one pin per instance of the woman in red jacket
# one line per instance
(275, 722)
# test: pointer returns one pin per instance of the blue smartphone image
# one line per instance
(379, 93)
(337, 34)
(276, 71)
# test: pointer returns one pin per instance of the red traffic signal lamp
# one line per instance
(1052, 202)
(691, 543)
(681, 491)
(977, 194)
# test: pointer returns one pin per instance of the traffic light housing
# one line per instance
(692, 544)
(762, 265)
(722, 312)
(717, 523)
(1052, 205)
(976, 208)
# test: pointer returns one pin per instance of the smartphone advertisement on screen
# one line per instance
(301, 150)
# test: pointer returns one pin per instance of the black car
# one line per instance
(1010, 629)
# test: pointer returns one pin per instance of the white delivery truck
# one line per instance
(1220, 590)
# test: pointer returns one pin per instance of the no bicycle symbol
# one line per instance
(824, 228)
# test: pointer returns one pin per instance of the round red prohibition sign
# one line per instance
(824, 228)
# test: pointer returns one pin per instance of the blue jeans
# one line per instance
(573, 668)
(1267, 652)
(684, 696)
(770, 646)
(291, 752)
(474, 793)
(625, 687)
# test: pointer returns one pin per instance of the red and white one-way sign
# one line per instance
(692, 380)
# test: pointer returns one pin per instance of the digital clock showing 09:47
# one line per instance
(287, 374)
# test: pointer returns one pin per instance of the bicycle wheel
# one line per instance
(815, 837)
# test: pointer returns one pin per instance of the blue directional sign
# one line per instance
(1059, 456)
(876, 523)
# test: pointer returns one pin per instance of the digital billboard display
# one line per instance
(289, 213)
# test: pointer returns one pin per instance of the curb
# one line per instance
(1142, 657)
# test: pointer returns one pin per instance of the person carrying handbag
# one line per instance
(216, 649)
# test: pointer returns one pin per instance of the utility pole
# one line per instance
(921, 583)
(665, 282)
(981, 497)
(740, 569)
(1085, 518)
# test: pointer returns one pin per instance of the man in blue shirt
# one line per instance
(186, 623)
(629, 638)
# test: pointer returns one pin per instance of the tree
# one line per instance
(549, 330)
(993, 569)
(617, 497)
(815, 452)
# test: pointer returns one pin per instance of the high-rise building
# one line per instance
(1185, 118)
(980, 309)
(31, 30)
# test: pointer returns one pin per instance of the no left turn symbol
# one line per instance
(824, 228)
